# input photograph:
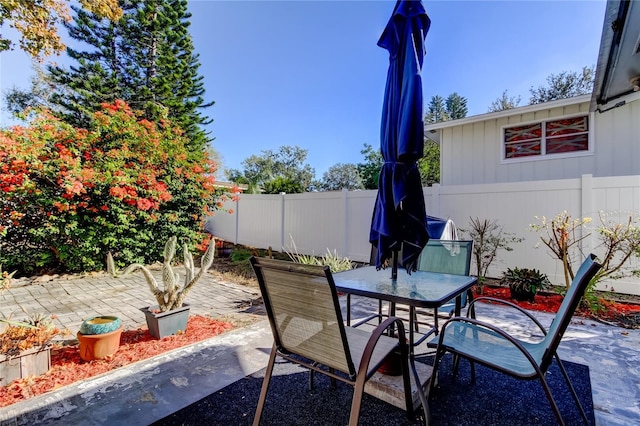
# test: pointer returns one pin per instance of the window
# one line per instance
(547, 138)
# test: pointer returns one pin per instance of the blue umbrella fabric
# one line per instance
(399, 216)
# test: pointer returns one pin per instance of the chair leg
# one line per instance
(456, 363)
(358, 391)
(572, 389)
(552, 401)
(265, 386)
(334, 382)
(406, 382)
(434, 371)
(311, 376)
(424, 399)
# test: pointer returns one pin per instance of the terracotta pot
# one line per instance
(392, 365)
(99, 346)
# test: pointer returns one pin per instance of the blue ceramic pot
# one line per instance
(100, 325)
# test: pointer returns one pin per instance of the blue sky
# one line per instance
(309, 73)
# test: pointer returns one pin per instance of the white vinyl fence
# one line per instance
(340, 221)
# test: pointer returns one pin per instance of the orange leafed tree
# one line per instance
(36, 21)
(70, 195)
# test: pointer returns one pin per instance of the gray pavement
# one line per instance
(149, 390)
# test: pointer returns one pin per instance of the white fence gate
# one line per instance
(340, 220)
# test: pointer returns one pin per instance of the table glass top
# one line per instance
(421, 288)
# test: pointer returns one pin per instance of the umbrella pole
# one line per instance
(394, 265)
(394, 278)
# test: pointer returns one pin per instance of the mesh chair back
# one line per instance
(303, 308)
(561, 321)
(446, 256)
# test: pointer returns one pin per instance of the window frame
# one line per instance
(543, 139)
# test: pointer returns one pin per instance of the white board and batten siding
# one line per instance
(471, 150)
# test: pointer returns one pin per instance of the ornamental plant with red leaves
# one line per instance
(125, 185)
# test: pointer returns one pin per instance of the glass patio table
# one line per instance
(420, 289)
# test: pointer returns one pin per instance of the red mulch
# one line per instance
(541, 303)
(621, 314)
(67, 367)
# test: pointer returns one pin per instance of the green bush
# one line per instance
(124, 185)
(240, 255)
(524, 281)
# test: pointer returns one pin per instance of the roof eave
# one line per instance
(618, 57)
(508, 112)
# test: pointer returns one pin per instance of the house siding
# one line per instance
(471, 152)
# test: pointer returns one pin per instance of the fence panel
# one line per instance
(315, 222)
(358, 217)
(260, 221)
(340, 220)
(514, 207)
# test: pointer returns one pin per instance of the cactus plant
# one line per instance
(5, 278)
(172, 295)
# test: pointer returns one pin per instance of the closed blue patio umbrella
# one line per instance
(399, 215)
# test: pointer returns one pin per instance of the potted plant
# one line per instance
(223, 249)
(524, 283)
(99, 337)
(25, 347)
(170, 315)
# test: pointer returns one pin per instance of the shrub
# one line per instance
(330, 259)
(488, 237)
(71, 195)
(524, 283)
(618, 243)
(561, 234)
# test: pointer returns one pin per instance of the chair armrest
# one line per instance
(471, 310)
(373, 340)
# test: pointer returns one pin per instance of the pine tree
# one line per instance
(436, 111)
(456, 106)
(96, 77)
(146, 59)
